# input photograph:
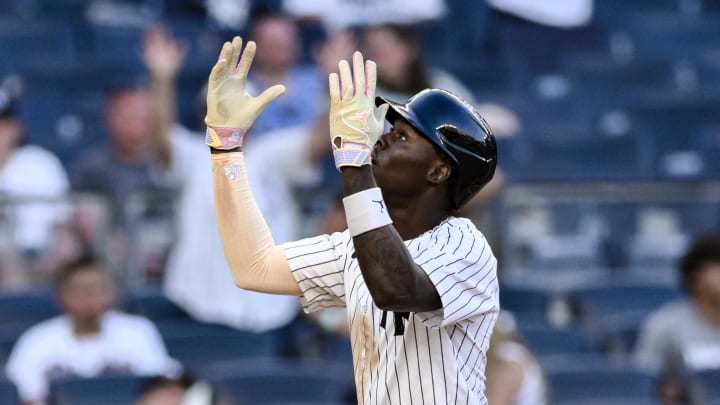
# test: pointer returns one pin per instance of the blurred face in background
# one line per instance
(87, 294)
(169, 394)
(128, 121)
(707, 283)
(277, 44)
(10, 134)
(393, 54)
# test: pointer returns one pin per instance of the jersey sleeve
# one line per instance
(151, 355)
(654, 345)
(318, 265)
(186, 148)
(27, 365)
(458, 260)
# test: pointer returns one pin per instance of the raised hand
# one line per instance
(230, 109)
(163, 54)
(355, 124)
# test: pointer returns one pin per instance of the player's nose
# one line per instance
(383, 140)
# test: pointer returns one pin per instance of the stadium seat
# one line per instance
(31, 305)
(675, 120)
(106, 390)
(188, 327)
(43, 8)
(61, 117)
(203, 43)
(611, 81)
(35, 42)
(533, 49)
(656, 251)
(564, 361)
(151, 303)
(610, 400)
(274, 381)
(610, 315)
(583, 157)
(620, 297)
(710, 384)
(545, 341)
(522, 301)
(600, 383)
(115, 46)
(8, 392)
(566, 252)
(200, 350)
(671, 34)
(616, 334)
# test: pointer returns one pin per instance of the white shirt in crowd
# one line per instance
(677, 331)
(440, 356)
(532, 389)
(197, 276)
(553, 13)
(50, 350)
(33, 172)
(338, 14)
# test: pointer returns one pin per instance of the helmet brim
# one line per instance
(398, 110)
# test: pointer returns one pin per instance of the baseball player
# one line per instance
(419, 284)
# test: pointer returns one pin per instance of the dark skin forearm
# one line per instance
(395, 282)
(162, 105)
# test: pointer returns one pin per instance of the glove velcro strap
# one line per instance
(224, 138)
(352, 154)
(366, 211)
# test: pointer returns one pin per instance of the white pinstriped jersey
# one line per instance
(440, 358)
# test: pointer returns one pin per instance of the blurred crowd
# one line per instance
(110, 226)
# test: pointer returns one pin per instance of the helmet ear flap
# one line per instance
(469, 154)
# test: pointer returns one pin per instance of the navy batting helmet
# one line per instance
(454, 126)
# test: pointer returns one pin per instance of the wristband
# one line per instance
(224, 138)
(366, 211)
(352, 154)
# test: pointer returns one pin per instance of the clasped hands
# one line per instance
(355, 123)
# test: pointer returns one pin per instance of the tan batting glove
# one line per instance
(355, 124)
(230, 109)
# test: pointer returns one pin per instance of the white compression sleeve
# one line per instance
(255, 261)
(365, 211)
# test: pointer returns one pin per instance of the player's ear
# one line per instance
(439, 172)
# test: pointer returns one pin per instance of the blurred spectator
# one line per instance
(163, 391)
(514, 376)
(66, 245)
(128, 164)
(196, 280)
(340, 14)
(688, 330)
(277, 61)
(33, 184)
(403, 72)
(684, 336)
(230, 14)
(401, 69)
(183, 390)
(88, 339)
(331, 340)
